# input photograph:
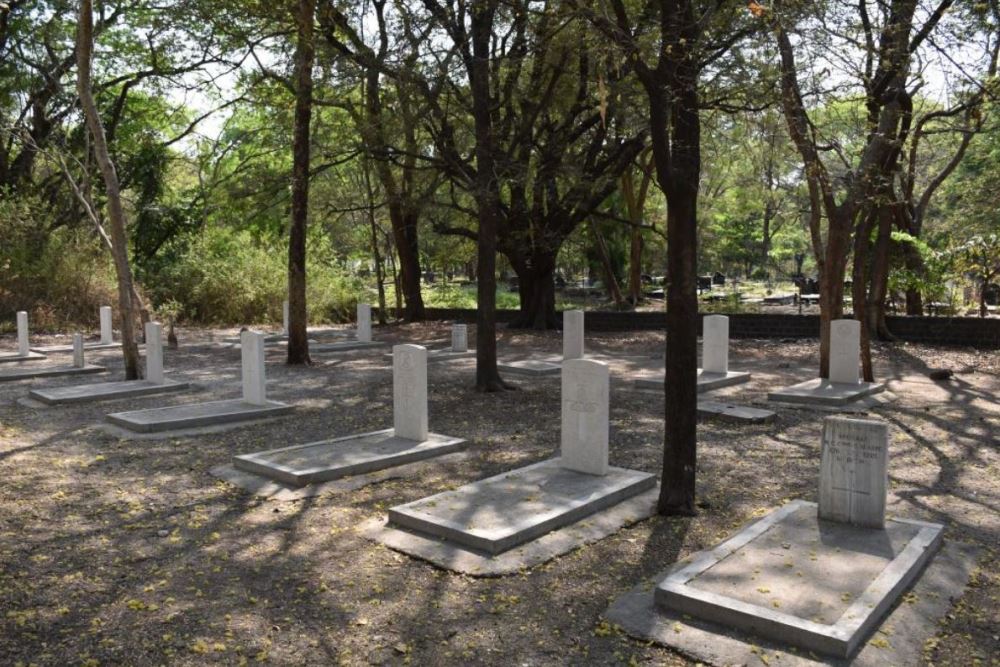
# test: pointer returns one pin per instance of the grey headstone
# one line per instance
(585, 416)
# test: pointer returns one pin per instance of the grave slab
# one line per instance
(445, 354)
(105, 391)
(457, 558)
(735, 413)
(793, 578)
(7, 357)
(327, 460)
(532, 367)
(69, 348)
(345, 346)
(196, 415)
(30, 372)
(901, 636)
(819, 391)
(504, 511)
(707, 381)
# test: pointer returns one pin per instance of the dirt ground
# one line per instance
(128, 552)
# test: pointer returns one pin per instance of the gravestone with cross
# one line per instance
(409, 392)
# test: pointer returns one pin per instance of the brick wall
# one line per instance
(963, 331)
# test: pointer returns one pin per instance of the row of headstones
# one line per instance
(23, 336)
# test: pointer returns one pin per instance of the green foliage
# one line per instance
(61, 277)
(224, 276)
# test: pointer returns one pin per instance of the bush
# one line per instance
(60, 277)
(227, 277)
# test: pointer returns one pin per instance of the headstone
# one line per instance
(78, 360)
(284, 317)
(364, 333)
(853, 478)
(584, 445)
(23, 347)
(154, 352)
(409, 392)
(572, 334)
(107, 336)
(845, 351)
(254, 391)
(715, 344)
(459, 338)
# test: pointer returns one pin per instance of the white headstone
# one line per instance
(23, 347)
(853, 479)
(154, 352)
(409, 392)
(364, 333)
(572, 334)
(284, 317)
(254, 391)
(107, 335)
(715, 344)
(845, 351)
(78, 360)
(585, 416)
(459, 338)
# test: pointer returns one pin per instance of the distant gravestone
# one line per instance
(23, 346)
(572, 334)
(254, 391)
(459, 338)
(409, 392)
(107, 333)
(854, 472)
(364, 331)
(284, 317)
(845, 351)
(154, 352)
(78, 360)
(584, 446)
(715, 344)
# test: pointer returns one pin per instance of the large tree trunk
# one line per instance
(859, 288)
(487, 196)
(404, 230)
(536, 287)
(116, 213)
(879, 281)
(298, 340)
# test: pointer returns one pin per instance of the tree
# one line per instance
(689, 38)
(116, 212)
(980, 258)
(298, 340)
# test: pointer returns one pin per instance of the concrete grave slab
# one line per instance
(501, 512)
(457, 558)
(30, 372)
(270, 489)
(532, 367)
(444, 354)
(819, 391)
(105, 391)
(327, 460)
(96, 346)
(735, 413)
(7, 357)
(707, 380)
(793, 578)
(345, 346)
(906, 628)
(196, 415)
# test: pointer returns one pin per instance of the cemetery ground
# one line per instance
(127, 551)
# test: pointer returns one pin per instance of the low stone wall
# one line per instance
(963, 331)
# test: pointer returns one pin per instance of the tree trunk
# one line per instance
(298, 340)
(487, 196)
(878, 289)
(536, 287)
(404, 230)
(376, 255)
(859, 288)
(116, 213)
